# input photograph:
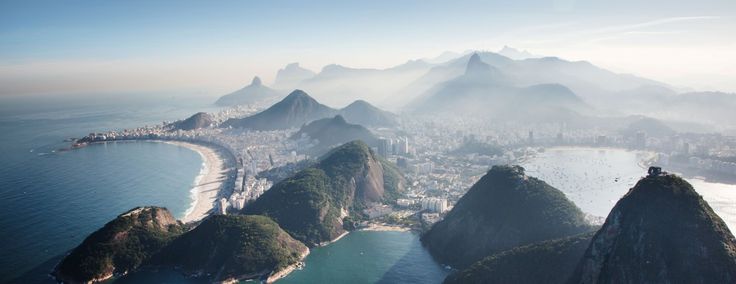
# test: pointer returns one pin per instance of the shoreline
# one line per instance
(208, 184)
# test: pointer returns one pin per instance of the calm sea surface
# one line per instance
(595, 179)
(50, 201)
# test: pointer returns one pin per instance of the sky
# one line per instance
(213, 47)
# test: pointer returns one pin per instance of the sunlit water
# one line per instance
(595, 179)
(50, 201)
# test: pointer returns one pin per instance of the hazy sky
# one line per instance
(212, 47)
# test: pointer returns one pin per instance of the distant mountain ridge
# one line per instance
(298, 109)
(252, 93)
(291, 76)
(484, 90)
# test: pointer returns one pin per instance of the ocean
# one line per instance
(50, 201)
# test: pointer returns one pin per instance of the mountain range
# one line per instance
(298, 109)
(603, 91)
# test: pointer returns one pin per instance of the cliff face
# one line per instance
(120, 246)
(544, 262)
(311, 204)
(661, 231)
(233, 247)
(504, 209)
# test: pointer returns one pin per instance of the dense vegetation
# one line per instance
(311, 205)
(504, 209)
(544, 262)
(232, 246)
(661, 231)
(120, 246)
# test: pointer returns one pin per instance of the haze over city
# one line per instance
(194, 47)
(367, 141)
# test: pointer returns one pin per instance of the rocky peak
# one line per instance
(661, 231)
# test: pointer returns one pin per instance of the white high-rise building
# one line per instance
(433, 204)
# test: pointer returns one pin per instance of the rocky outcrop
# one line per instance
(661, 231)
(122, 245)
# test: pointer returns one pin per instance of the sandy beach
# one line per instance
(381, 227)
(208, 183)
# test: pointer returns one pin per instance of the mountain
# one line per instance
(339, 85)
(650, 126)
(293, 111)
(484, 90)
(329, 132)
(120, 246)
(504, 209)
(363, 113)
(291, 76)
(544, 262)
(252, 93)
(233, 247)
(197, 121)
(313, 204)
(516, 54)
(661, 231)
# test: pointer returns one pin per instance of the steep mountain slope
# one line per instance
(120, 246)
(504, 209)
(254, 92)
(232, 247)
(293, 111)
(311, 205)
(661, 231)
(544, 262)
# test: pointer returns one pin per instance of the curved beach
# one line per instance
(208, 184)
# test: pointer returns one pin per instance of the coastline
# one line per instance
(208, 184)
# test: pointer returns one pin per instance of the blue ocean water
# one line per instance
(50, 201)
(370, 257)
